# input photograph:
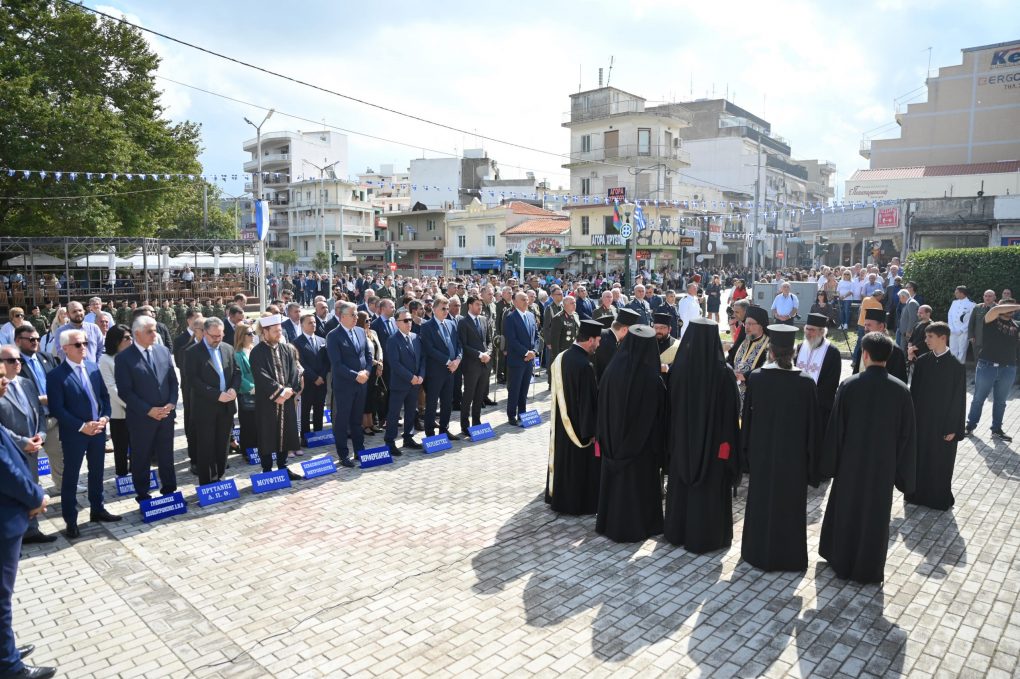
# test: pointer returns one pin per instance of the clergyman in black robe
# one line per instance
(780, 437)
(939, 390)
(874, 321)
(703, 444)
(631, 406)
(821, 361)
(573, 477)
(276, 377)
(869, 447)
(611, 338)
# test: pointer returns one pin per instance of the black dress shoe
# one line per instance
(29, 672)
(514, 422)
(394, 451)
(419, 424)
(453, 437)
(346, 462)
(72, 532)
(1001, 435)
(103, 515)
(26, 650)
(488, 402)
(411, 443)
(193, 468)
(294, 476)
(141, 498)
(37, 538)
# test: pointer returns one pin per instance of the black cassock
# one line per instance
(780, 437)
(895, 366)
(703, 444)
(869, 447)
(572, 481)
(631, 405)
(274, 368)
(939, 390)
(604, 352)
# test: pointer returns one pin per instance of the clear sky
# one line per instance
(823, 73)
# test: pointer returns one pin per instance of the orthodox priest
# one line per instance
(781, 434)
(869, 448)
(754, 350)
(631, 395)
(896, 365)
(662, 324)
(612, 337)
(703, 442)
(276, 383)
(939, 390)
(572, 481)
(821, 361)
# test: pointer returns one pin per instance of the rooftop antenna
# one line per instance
(600, 77)
(927, 73)
(579, 67)
(609, 76)
(692, 84)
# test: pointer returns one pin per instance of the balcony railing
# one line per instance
(267, 160)
(657, 152)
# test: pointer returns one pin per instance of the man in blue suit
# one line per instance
(148, 385)
(405, 358)
(21, 499)
(385, 328)
(585, 307)
(521, 335)
(312, 355)
(81, 404)
(350, 358)
(442, 357)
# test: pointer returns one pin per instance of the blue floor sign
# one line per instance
(480, 432)
(373, 457)
(530, 418)
(163, 507)
(44, 465)
(216, 492)
(433, 444)
(318, 466)
(315, 439)
(126, 484)
(268, 481)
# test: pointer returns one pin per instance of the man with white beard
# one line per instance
(821, 361)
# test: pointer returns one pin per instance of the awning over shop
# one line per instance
(532, 262)
(486, 263)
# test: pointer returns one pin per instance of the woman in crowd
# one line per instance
(48, 342)
(739, 290)
(118, 338)
(845, 292)
(376, 387)
(822, 306)
(714, 293)
(244, 339)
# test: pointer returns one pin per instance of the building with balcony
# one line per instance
(287, 157)
(387, 190)
(450, 183)
(476, 236)
(413, 240)
(322, 214)
(971, 115)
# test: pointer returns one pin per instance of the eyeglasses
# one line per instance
(10, 361)
(79, 345)
(252, 333)
(404, 320)
(29, 339)
(18, 315)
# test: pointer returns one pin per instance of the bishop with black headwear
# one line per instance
(821, 361)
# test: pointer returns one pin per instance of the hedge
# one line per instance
(938, 272)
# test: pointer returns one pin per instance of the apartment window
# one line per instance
(305, 243)
(490, 241)
(400, 229)
(585, 187)
(585, 143)
(461, 241)
(644, 141)
(585, 225)
(308, 196)
(430, 225)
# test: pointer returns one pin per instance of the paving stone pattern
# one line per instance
(451, 564)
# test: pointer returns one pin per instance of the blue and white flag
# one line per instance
(639, 218)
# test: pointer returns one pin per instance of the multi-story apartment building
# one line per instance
(476, 236)
(450, 183)
(322, 214)
(388, 191)
(413, 240)
(289, 157)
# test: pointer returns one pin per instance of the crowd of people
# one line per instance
(654, 420)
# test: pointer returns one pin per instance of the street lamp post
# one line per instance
(257, 186)
(322, 209)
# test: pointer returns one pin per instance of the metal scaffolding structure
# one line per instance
(155, 254)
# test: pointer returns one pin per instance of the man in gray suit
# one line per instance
(908, 317)
(22, 416)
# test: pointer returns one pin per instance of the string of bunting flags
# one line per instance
(771, 209)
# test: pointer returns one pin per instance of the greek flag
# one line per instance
(639, 218)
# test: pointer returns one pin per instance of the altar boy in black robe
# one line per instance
(869, 447)
(703, 442)
(572, 481)
(611, 338)
(780, 440)
(939, 389)
(276, 384)
(632, 403)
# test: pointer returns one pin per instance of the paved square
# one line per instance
(451, 565)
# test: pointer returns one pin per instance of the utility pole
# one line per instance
(321, 201)
(205, 206)
(257, 186)
(754, 237)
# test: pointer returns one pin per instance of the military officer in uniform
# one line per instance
(562, 329)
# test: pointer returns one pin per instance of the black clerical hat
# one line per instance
(781, 336)
(588, 330)
(643, 331)
(662, 319)
(875, 315)
(758, 314)
(606, 321)
(817, 320)
(628, 317)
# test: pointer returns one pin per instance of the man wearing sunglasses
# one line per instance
(79, 400)
(35, 366)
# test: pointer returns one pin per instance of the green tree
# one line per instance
(287, 258)
(321, 261)
(78, 94)
(189, 220)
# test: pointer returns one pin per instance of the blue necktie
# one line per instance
(86, 383)
(19, 395)
(40, 377)
(446, 338)
(218, 364)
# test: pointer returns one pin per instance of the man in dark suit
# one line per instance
(321, 318)
(292, 326)
(405, 358)
(21, 500)
(214, 379)
(385, 328)
(333, 321)
(187, 339)
(235, 314)
(521, 334)
(350, 358)
(312, 355)
(81, 404)
(585, 307)
(21, 414)
(443, 356)
(35, 366)
(473, 333)
(148, 385)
